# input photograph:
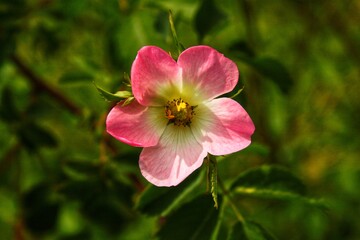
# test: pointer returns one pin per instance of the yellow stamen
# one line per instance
(179, 112)
(180, 105)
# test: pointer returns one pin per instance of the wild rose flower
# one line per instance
(176, 116)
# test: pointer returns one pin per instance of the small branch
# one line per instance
(19, 229)
(41, 85)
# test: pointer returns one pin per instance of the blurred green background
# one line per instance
(63, 177)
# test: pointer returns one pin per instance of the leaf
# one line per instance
(75, 77)
(270, 68)
(104, 203)
(269, 178)
(276, 71)
(195, 220)
(242, 47)
(118, 96)
(249, 230)
(134, 31)
(79, 169)
(11, 12)
(207, 17)
(40, 209)
(161, 200)
(34, 136)
(273, 182)
(161, 23)
(8, 110)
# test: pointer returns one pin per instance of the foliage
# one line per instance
(63, 177)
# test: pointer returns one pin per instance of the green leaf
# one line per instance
(161, 200)
(269, 178)
(242, 47)
(276, 71)
(273, 182)
(134, 31)
(8, 110)
(76, 77)
(40, 209)
(207, 17)
(161, 23)
(249, 230)
(80, 169)
(104, 203)
(195, 220)
(271, 69)
(34, 136)
(111, 97)
(11, 13)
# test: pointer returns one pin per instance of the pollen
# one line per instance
(179, 112)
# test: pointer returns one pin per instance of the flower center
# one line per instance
(179, 112)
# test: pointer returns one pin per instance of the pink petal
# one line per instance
(176, 157)
(136, 125)
(222, 126)
(155, 77)
(207, 73)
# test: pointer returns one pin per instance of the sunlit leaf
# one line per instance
(194, 220)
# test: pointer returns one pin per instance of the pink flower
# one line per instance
(176, 116)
